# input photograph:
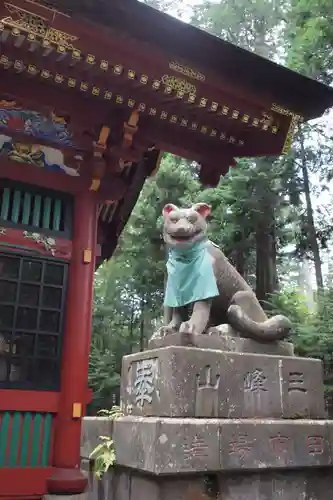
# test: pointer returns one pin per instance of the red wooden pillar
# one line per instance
(77, 336)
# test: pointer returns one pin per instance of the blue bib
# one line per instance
(190, 275)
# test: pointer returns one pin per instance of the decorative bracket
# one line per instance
(295, 121)
(98, 161)
(130, 129)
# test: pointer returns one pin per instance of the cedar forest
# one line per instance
(269, 216)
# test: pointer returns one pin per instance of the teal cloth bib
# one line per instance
(190, 275)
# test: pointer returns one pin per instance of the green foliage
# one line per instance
(310, 33)
(104, 455)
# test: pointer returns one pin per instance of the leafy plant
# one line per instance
(104, 455)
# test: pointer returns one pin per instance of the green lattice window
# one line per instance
(35, 209)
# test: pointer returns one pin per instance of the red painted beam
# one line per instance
(34, 401)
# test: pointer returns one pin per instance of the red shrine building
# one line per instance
(91, 95)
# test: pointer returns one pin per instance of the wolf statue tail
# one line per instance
(270, 330)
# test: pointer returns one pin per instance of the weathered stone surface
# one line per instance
(302, 388)
(216, 340)
(167, 446)
(92, 429)
(144, 488)
(320, 485)
(121, 486)
(306, 484)
(276, 486)
(264, 444)
(191, 382)
(172, 446)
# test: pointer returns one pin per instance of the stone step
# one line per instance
(191, 382)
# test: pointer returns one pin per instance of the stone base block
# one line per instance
(216, 340)
(192, 382)
(92, 429)
(287, 485)
(178, 446)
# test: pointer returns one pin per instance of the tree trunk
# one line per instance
(310, 226)
(240, 261)
(266, 276)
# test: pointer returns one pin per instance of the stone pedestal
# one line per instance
(206, 424)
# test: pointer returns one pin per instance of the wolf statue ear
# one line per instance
(168, 209)
(203, 209)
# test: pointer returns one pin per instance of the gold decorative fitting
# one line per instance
(204, 130)
(173, 119)
(107, 95)
(177, 84)
(45, 73)
(16, 32)
(144, 79)
(222, 136)
(61, 49)
(71, 82)
(214, 106)
(225, 110)
(31, 37)
(245, 118)
(235, 114)
(84, 86)
(294, 123)
(131, 103)
(95, 184)
(232, 140)
(90, 59)
(32, 69)
(142, 106)
(18, 65)
(203, 102)
(213, 133)
(296, 119)
(191, 73)
(168, 89)
(191, 98)
(265, 126)
(119, 99)
(255, 122)
(58, 78)
(118, 69)
(156, 84)
(4, 59)
(282, 111)
(76, 54)
(194, 126)
(31, 23)
(96, 91)
(184, 122)
(131, 74)
(2, 26)
(164, 115)
(46, 44)
(104, 65)
(180, 94)
(152, 111)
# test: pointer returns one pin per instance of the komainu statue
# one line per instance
(202, 280)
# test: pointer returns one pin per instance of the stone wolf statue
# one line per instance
(202, 279)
